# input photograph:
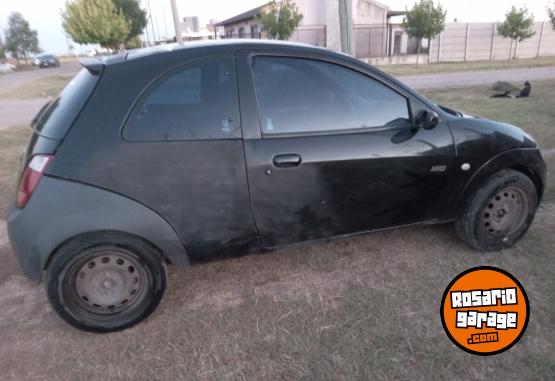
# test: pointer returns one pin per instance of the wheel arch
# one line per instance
(61, 210)
(525, 160)
(109, 234)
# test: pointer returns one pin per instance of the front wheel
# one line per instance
(105, 282)
(499, 213)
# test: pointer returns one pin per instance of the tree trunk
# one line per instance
(25, 57)
(417, 51)
(510, 51)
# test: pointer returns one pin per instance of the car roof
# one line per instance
(95, 64)
(239, 42)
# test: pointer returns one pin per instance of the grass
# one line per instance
(42, 87)
(449, 67)
(535, 114)
(12, 143)
(358, 308)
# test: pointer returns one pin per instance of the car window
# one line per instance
(304, 96)
(196, 101)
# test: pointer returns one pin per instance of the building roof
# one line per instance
(396, 13)
(243, 16)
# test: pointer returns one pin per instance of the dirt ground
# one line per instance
(359, 308)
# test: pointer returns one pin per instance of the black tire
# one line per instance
(499, 212)
(124, 275)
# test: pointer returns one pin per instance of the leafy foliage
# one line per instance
(424, 20)
(2, 53)
(280, 20)
(517, 25)
(135, 16)
(551, 14)
(21, 40)
(96, 22)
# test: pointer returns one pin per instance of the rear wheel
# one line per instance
(499, 213)
(105, 282)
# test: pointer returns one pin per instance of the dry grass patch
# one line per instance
(39, 88)
(12, 144)
(453, 67)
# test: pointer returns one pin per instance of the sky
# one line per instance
(44, 15)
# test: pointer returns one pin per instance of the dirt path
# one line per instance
(19, 111)
(469, 78)
(13, 80)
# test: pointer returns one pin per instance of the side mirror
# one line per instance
(428, 120)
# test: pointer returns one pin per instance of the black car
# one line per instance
(46, 60)
(183, 153)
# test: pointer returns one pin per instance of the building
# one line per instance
(190, 24)
(320, 24)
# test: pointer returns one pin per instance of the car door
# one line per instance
(337, 151)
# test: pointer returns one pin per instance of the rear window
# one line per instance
(54, 120)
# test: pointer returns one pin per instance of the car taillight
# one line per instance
(31, 177)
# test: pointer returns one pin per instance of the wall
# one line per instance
(480, 41)
(369, 12)
(458, 42)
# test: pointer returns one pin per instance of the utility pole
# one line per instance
(176, 22)
(151, 23)
(158, 27)
(165, 23)
(346, 25)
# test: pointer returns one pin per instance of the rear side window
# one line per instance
(298, 95)
(195, 101)
(54, 120)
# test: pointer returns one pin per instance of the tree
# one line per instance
(424, 20)
(135, 16)
(551, 13)
(96, 22)
(517, 26)
(21, 40)
(280, 20)
(2, 53)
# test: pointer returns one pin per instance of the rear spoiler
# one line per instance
(94, 65)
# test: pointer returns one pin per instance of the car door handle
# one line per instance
(287, 160)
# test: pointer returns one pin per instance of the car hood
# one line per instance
(489, 135)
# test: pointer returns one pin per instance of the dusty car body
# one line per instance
(209, 171)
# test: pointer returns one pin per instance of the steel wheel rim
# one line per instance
(107, 282)
(505, 213)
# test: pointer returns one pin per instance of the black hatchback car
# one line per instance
(181, 153)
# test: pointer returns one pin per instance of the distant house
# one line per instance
(244, 25)
(320, 24)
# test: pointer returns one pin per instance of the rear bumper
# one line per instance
(22, 246)
(59, 210)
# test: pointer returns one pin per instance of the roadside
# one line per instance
(472, 78)
(455, 67)
(16, 79)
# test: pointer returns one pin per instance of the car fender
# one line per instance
(526, 160)
(60, 209)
